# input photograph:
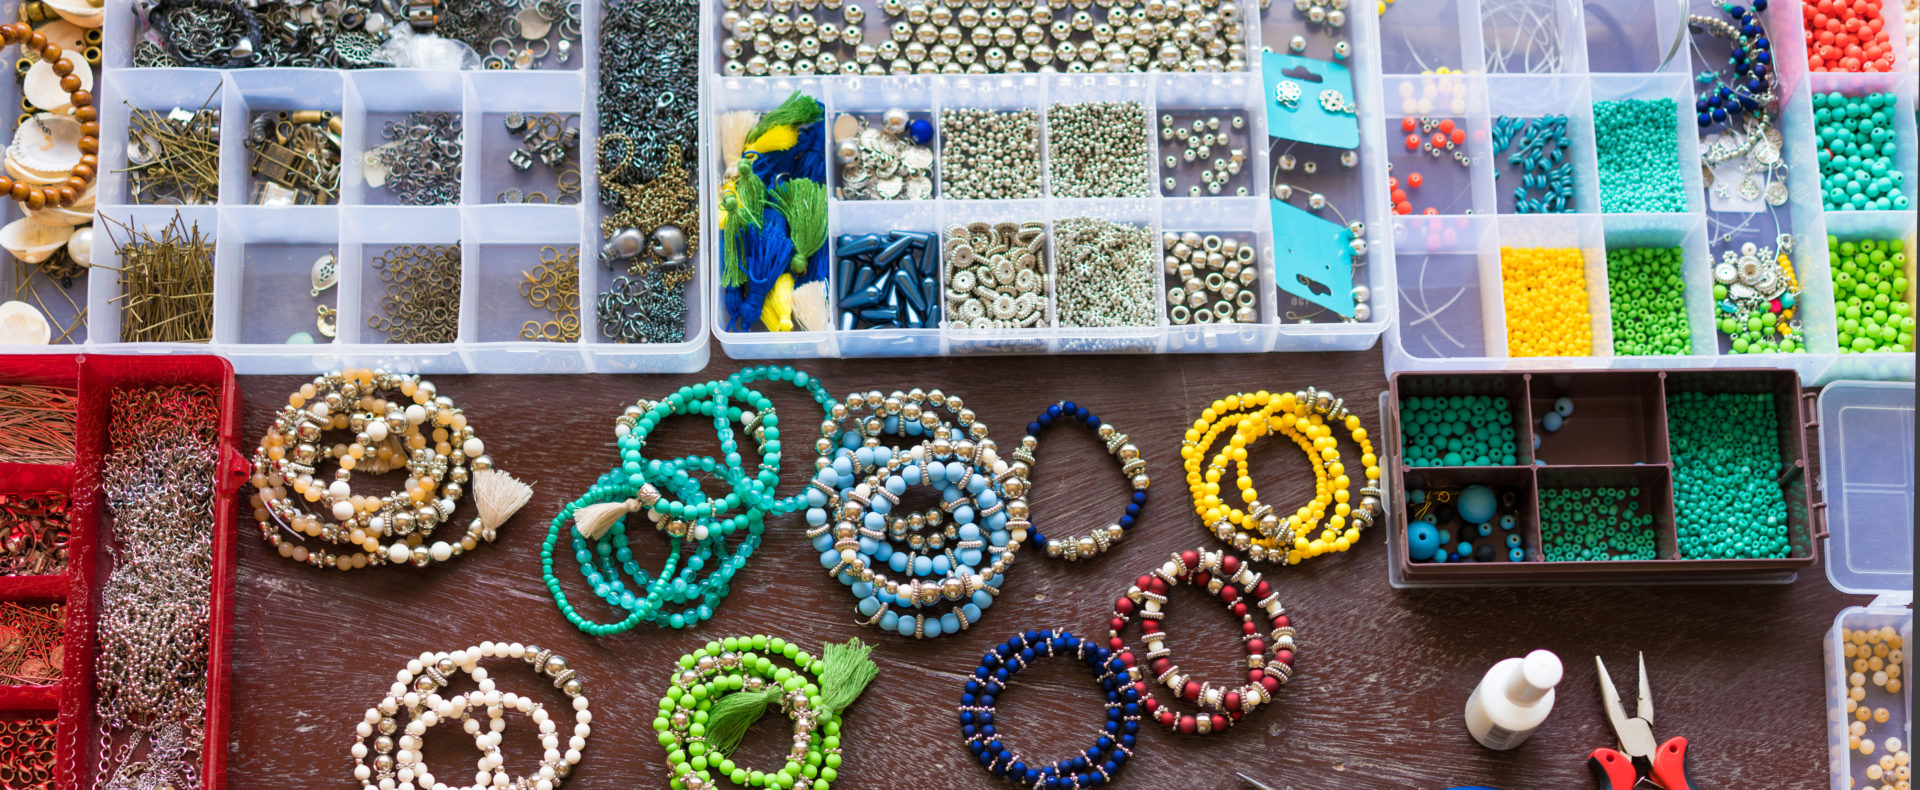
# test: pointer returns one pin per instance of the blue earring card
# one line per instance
(1312, 258)
(1309, 121)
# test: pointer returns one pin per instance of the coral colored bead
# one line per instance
(1408, 124)
(1415, 180)
(1413, 142)
(1459, 137)
(1446, 126)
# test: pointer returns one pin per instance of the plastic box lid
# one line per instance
(1867, 480)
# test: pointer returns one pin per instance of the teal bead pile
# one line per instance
(1594, 525)
(1637, 143)
(1726, 459)
(1871, 302)
(1645, 291)
(1458, 430)
(1546, 167)
(1858, 153)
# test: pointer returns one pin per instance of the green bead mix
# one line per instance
(1637, 143)
(1870, 298)
(1859, 162)
(721, 688)
(1594, 525)
(1458, 430)
(1726, 457)
(1649, 313)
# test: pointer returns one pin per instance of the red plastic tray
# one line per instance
(95, 377)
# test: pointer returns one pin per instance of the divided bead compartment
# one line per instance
(1616, 437)
(97, 380)
(263, 254)
(1446, 266)
(1183, 96)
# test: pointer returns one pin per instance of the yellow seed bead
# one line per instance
(1881, 715)
(1892, 745)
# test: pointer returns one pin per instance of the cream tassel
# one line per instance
(498, 496)
(733, 136)
(810, 307)
(594, 520)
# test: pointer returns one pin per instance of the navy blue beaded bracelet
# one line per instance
(1091, 768)
(1118, 445)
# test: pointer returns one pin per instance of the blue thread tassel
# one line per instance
(765, 254)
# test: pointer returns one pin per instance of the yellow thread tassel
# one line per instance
(779, 138)
(777, 315)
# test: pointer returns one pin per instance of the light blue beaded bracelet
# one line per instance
(921, 574)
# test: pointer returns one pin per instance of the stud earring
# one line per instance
(1287, 93)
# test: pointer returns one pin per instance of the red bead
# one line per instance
(1270, 683)
(1400, 196)
(1117, 624)
(1415, 180)
(1220, 722)
(1229, 593)
(1126, 658)
(1261, 591)
(1124, 606)
(1161, 665)
(1283, 656)
(1431, 211)
(1459, 137)
(1281, 622)
(1230, 563)
(1413, 142)
(1239, 608)
(1408, 124)
(1402, 207)
(1157, 586)
(1392, 183)
(1439, 140)
(1145, 582)
(1247, 627)
(1116, 643)
(1231, 701)
(1188, 725)
(1256, 647)
(1446, 126)
(1149, 626)
(1191, 690)
(1190, 558)
(1202, 579)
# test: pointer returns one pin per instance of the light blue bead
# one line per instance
(882, 550)
(922, 566)
(880, 505)
(963, 515)
(828, 559)
(890, 424)
(969, 532)
(997, 538)
(869, 605)
(873, 520)
(817, 499)
(905, 626)
(868, 546)
(1517, 555)
(997, 520)
(950, 493)
(1422, 541)
(941, 565)
(823, 541)
(1477, 504)
(949, 623)
(936, 474)
(972, 612)
(968, 556)
(843, 466)
(896, 485)
(911, 475)
(987, 499)
(1563, 407)
(864, 456)
(981, 600)
(882, 454)
(956, 470)
(1551, 422)
(931, 628)
(898, 562)
(862, 590)
(889, 620)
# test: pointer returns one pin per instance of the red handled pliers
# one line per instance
(1638, 759)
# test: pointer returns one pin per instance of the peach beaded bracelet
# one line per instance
(1305, 418)
(82, 174)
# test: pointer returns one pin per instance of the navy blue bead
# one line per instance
(1093, 421)
(1053, 411)
(1719, 114)
(1033, 428)
(1069, 407)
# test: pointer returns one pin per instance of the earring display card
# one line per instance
(1485, 67)
(1178, 196)
(1311, 101)
(263, 254)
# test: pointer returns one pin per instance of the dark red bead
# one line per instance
(1157, 585)
(1220, 723)
(1270, 683)
(1123, 606)
(1190, 558)
(1284, 656)
(1230, 564)
(1261, 591)
(1239, 608)
(1116, 643)
(1126, 658)
(1191, 690)
(1145, 582)
(1254, 675)
(1202, 579)
(1281, 622)
(1229, 594)
(1161, 665)
(1231, 700)
(1256, 647)
(1188, 725)
(1247, 627)
(1117, 623)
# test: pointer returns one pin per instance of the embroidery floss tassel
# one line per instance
(498, 495)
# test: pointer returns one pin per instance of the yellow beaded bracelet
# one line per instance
(1304, 418)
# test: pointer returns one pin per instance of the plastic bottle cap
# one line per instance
(1539, 672)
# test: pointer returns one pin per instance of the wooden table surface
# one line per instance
(1376, 703)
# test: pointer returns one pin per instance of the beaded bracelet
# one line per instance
(851, 540)
(388, 435)
(1269, 655)
(693, 521)
(1094, 766)
(1301, 416)
(1118, 445)
(723, 687)
(398, 764)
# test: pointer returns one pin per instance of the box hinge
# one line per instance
(1901, 599)
(1809, 409)
(1817, 520)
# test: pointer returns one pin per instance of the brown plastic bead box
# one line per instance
(1617, 438)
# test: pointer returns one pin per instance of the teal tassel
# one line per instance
(848, 671)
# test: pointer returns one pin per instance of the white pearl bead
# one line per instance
(473, 447)
(342, 511)
(399, 553)
(441, 552)
(362, 772)
(416, 414)
(377, 430)
(580, 702)
(583, 716)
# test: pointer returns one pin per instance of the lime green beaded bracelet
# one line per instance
(722, 688)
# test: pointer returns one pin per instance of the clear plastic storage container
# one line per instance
(263, 254)
(1525, 58)
(1867, 477)
(1358, 192)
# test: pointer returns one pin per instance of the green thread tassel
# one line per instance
(804, 203)
(730, 273)
(749, 194)
(798, 110)
(729, 718)
(848, 671)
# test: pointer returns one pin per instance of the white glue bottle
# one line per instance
(1513, 699)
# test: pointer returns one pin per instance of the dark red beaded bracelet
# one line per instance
(1270, 652)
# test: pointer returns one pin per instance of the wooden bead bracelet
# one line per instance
(1305, 417)
(1270, 651)
(82, 173)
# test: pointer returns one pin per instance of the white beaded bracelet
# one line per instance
(422, 432)
(397, 763)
